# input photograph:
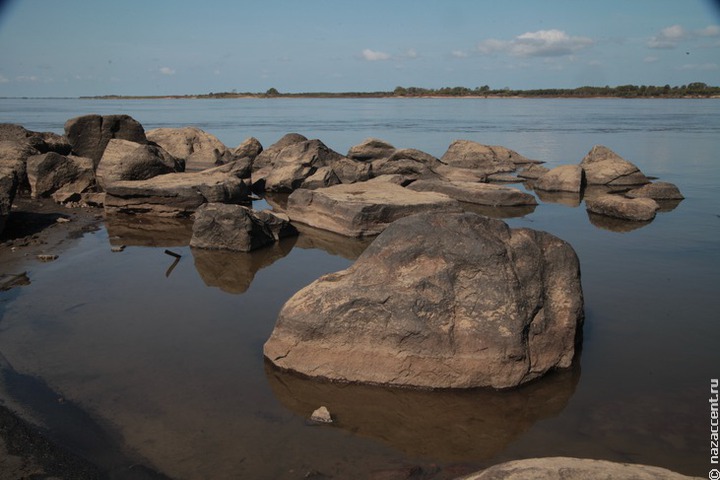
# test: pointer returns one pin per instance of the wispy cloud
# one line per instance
(543, 43)
(709, 31)
(703, 67)
(4, 79)
(412, 54)
(668, 38)
(650, 59)
(375, 56)
(167, 71)
(459, 54)
(27, 78)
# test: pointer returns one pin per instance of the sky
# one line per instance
(166, 47)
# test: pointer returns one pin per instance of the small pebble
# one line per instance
(321, 415)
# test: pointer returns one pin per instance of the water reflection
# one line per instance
(615, 224)
(148, 231)
(332, 243)
(569, 199)
(445, 425)
(233, 272)
(515, 211)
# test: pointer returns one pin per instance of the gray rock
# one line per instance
(89, 134)
(177, 194)
(438, 300)
(13, 157)
(531, 172)
(125, 160)
(565, 178)
(656, 191)
(408, 162)
(43, 142)
(266, 158)
(371, 149)
(49, 172)
(8, 188)
(634, 209)
(565, 468)
(236, 228)
(362, 209)
(485, 158)
(200, 150)
(477, 193)
(602, 166)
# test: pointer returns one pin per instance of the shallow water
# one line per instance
(169, 361)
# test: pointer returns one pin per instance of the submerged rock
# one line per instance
(634, 209)
(656, 191)
(362, 209)
(438, 300)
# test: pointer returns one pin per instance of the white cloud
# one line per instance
(543, 43)
(703, 67)
(167, 71)
(4, 79)
(411, 53)
(27, 78)
(373, 56)
(650, 59)
(709, 31)
(459, 54)
(668, 38)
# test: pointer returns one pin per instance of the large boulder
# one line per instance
(177, 194)
(299, 161)
(634, 209)
(249, 148)
(565, 178)
(125, 160)
(362, 209)
(438, 300)
(532, 172)
(13, 157)
(566, 468)
(486, 158)
(602, 166)
(371, 149)
(477, 193)
(200, 150)
(266, 158)
(49, 172)
(89, 134)
(408, 162)
(237, 228)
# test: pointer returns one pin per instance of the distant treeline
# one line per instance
(692, 90)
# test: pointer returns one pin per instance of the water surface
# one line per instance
(170, 362)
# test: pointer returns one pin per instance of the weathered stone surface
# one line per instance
(486, 158)
(43, 142)
(200, 150)
(371, 149)
(456, 174)
(408, 162)
(565, 468)
(8, 188)
(321, 415)
(531, 172)
(125, 160)
(565, 178)
(49, 172)
(266, 158)
(299, 161)
(656, 191)
(249, 148)
(362, 209)
(478, 193)
(635, 209)
(177, 194)
(602, 166)
(236, 228)
(89, 134)
(438, 300)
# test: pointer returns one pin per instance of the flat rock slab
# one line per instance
(362, 209)
(177, 194)
(555, 468)
(438, 300)
(657, 191)
(634, 209)
(477, 193)
(565, 178)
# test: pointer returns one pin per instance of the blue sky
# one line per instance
(156, 47)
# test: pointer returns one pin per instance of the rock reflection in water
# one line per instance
(233, 272)
(448, 426)
(569, 199)
(332, 243)
(615, 224)
(148, 231)
(515, 211)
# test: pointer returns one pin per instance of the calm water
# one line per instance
(168, 366)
